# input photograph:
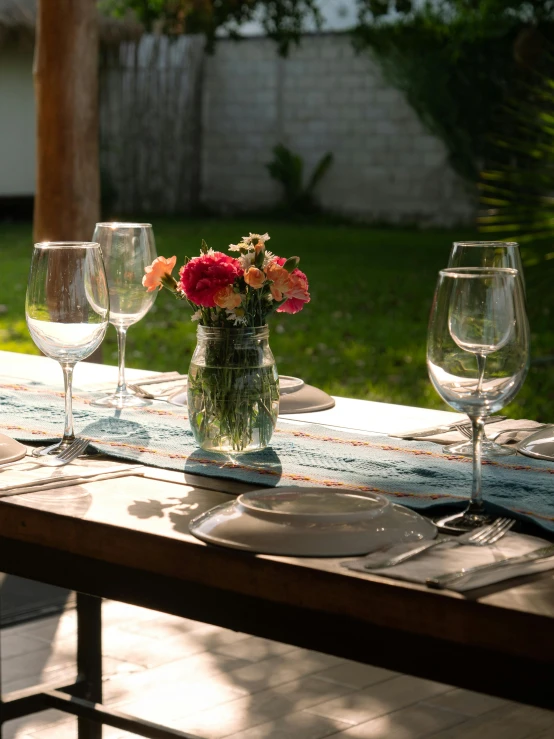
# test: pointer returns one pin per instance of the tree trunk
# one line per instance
(67, 200)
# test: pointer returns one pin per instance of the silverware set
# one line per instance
(480, 537)
(172, 378)
(449, 578)
(75, 449)
(445, 428)
(465, 431)
(71, 452)
(483, 536)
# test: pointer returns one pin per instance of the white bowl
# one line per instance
(310, 522)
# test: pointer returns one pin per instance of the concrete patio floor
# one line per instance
(217, 683)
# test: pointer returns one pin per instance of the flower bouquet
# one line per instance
(232, 389)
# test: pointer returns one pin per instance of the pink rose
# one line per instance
(160, 268)
(297, 290)
(204, 276)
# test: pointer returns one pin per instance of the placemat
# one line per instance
(416, 474)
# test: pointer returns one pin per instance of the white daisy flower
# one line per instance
(236, 315)
(269, 257)
(255, 239)
(196, 316)
(239, 246)
(246, 260)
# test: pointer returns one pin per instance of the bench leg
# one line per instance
(89, 659)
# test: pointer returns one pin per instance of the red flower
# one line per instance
(203, 276)
(297, 291)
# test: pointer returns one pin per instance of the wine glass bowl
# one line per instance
(127, 249)
(478, 353)
(66, 309)
(493, 254)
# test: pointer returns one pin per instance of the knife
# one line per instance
(442, 429)
(52, 483)
(442, 581)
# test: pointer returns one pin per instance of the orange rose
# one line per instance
(160, 268)
(254, 277)
(280, 279)
(226, 297)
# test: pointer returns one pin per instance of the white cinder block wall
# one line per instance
(323, 97)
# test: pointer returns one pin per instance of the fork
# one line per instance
(71, 452)
(480, 538)
(468, 432)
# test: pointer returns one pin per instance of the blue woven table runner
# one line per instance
(416, 474)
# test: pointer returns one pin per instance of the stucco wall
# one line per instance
(322, 98)
(17, 122)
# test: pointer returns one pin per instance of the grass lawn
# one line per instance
(363, 335)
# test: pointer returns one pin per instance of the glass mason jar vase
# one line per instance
(233, 389)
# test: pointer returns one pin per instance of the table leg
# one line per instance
(89, 659)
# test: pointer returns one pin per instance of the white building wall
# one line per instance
(322, 98)
(17, 122)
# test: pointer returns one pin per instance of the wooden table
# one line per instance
(128, 540)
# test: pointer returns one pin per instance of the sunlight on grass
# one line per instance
(363, 334)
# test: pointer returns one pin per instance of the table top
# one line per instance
(140, 525)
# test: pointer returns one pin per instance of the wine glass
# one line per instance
(127, 249)
(485, 254)
(477, 356)
(67, 309)
(495, 254)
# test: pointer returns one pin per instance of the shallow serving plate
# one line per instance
(539, 445)
(10, 450)
(310, 522)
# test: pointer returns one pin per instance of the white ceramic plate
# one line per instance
(539, 445)
(310, 522)
(10, 450)
(289, 384)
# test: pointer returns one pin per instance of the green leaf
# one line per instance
(291, 264)
(319, 172)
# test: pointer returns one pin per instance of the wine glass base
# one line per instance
(51, 451)
(121, 401)
(459, 523)
(489, 450)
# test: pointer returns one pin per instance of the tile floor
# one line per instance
(217, 683)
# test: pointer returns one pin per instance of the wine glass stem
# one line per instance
(476, 502)
(68, 433)
(121, 338)
(481, 364)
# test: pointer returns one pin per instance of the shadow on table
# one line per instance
(263, 468)
(130, 436)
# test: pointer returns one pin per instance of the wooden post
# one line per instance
(67, 201)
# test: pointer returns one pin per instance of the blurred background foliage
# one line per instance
(457, 62)
(287, 168)
(282, 20)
